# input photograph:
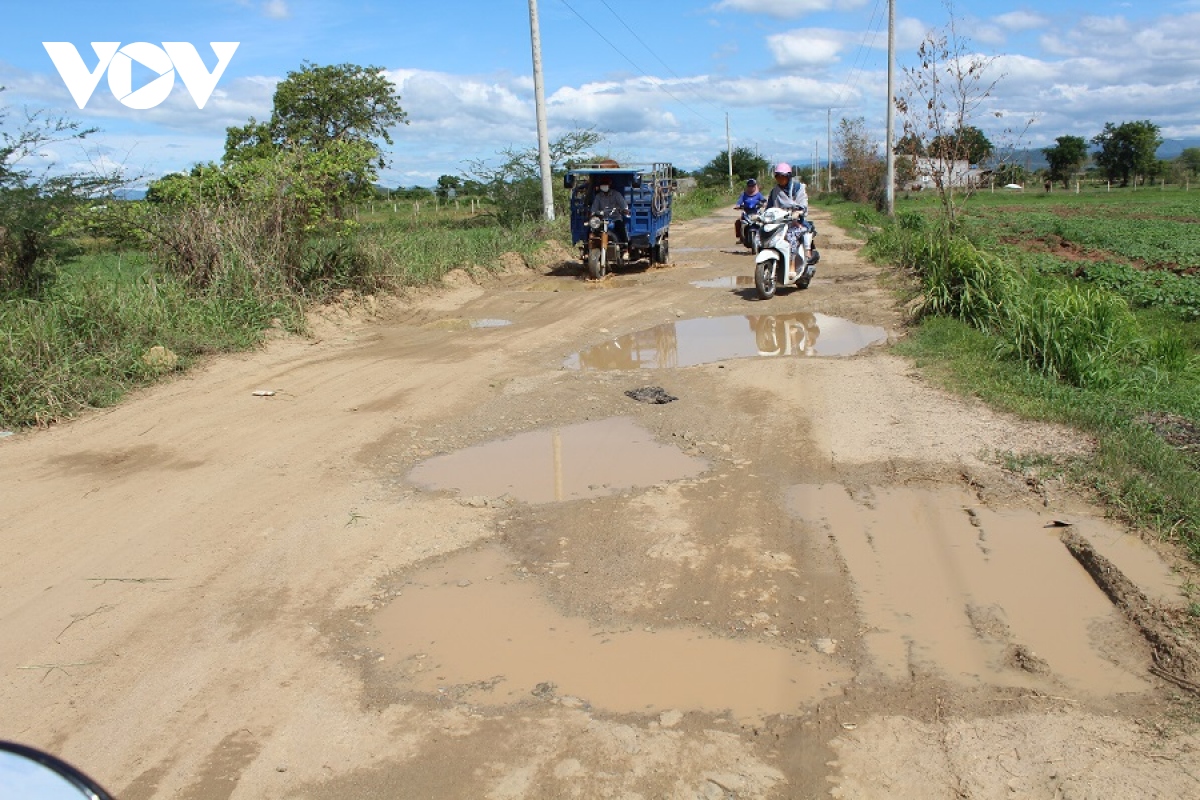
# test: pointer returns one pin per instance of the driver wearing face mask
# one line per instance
(608, 199)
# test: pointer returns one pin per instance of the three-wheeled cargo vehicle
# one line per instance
(607, 241)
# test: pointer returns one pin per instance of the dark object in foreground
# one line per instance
(651, 394)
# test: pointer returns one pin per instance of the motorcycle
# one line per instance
(603, 248)
(751, 231)
(776, 265)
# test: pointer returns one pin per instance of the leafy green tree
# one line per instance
(1127, 150)
(1066, 158)
(344, 106)
(910, 145)
(36, 206)
(1190, 159)
(447, 184)
(965, 144)
(746, 165)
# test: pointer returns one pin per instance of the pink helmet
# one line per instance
(783, 168)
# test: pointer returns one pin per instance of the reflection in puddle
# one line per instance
(978, 594)
(471, 627)
(489, 323)
(589, 459)
(727, 282)
(708, 339)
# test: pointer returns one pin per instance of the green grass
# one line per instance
(1095, 344)
(81, 343)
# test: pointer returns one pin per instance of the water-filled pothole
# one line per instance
(588, 459)
(978, 594)
(707, 339)
(473, 629)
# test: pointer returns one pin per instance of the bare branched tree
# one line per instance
(941, 98)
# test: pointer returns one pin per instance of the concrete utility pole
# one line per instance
(729, 150)
(539, 103)
(891, 110)
(828, 150)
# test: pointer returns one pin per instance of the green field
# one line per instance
(1082, 309)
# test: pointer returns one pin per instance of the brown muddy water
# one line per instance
(588, 459)
(946, 585)
(473, 628)
(708, 339)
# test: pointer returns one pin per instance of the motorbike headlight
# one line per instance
(595, 223)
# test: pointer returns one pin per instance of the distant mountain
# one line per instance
(1031, 158)
(1171, 148)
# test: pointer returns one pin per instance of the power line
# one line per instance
(860, 53)
(655, 83)
(650, 50)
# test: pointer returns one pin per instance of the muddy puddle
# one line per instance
(588, 459)
(473, 629)
(726, 282)
(459, 324)
(708, 339)
(948, 586)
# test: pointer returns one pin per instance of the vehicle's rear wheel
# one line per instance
(661, 252)
(764, 278)
(596, 265)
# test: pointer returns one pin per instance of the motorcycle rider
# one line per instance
(749, 202)
(791, 193)
(606, 201)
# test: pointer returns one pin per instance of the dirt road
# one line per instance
(450, 557)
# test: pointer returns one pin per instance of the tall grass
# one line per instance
(81, 344)
(1026, 334)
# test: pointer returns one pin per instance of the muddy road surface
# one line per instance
(451, 557)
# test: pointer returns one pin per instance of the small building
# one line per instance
(934, 172)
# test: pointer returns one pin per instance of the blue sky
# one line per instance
(657, 78)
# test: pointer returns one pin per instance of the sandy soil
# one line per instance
(806, 577)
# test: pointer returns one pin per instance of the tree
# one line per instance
(910, 145)
(746, 165)
(860, 171)
(515, 186)
(345, 107)
(1190, 159)
(447, 184)
(36, 205)
(966, 144)
(941, 97)
(1127, 150)
(1066, 158)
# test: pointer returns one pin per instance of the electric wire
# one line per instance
(657, 84)
(650, 50)
(873, 28)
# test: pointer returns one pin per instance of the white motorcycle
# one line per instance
(775, 266)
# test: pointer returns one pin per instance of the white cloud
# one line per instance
(806, 47)
(276, 9)
(1020, 21)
